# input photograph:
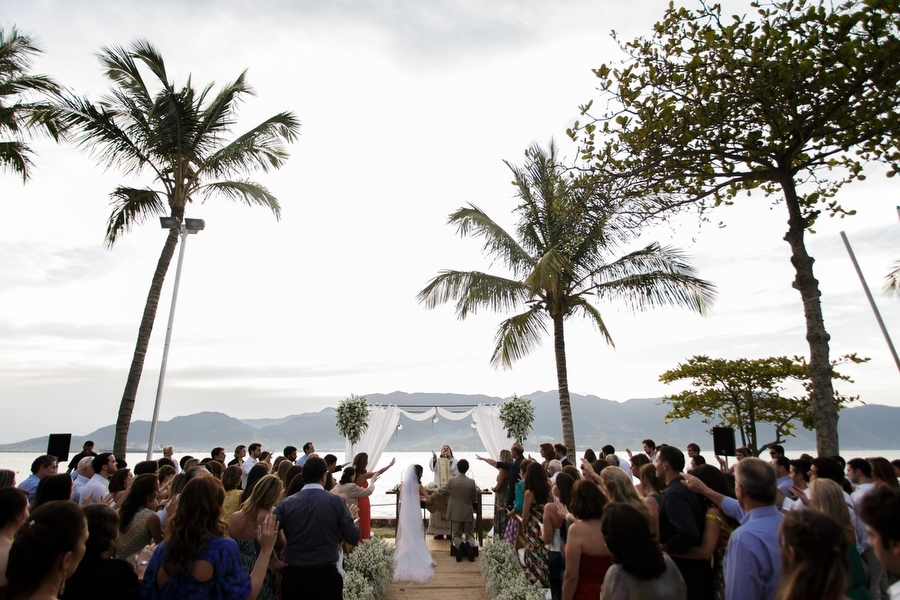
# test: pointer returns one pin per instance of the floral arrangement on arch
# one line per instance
(517, 415)
(352, 417)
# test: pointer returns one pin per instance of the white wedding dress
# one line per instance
(412, 560)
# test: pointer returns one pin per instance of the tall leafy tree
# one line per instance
(178, 138)
(791, 102)
(559, 259)
(744, 393)
(25, 104)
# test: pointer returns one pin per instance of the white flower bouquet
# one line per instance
(517, 415)
(352, 417)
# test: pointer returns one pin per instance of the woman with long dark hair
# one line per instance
(46, 551)
(349, 491)
(640, 569)
(587, 557)
(196, 560)
(138, 522)
(536, 497)
(52, 487)
(363, 475)
(554, 531)
(13, 514)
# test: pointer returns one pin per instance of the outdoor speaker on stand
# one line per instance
(58, 446)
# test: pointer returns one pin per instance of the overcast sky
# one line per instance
(408, 110)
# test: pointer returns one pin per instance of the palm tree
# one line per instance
(24, 106)
(558, 262)
(178, 136)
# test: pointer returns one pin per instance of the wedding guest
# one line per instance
(215, 468)
(83, 473)
(119, 483)
(43, 466)
(360, 466)
(650, 484)
(883, 472)
(640, 569)
(501, 494)
(553, 526)
(239, 453)
(46, 551)
(536, 496)
(880, 511)
(13, 514)
(813, 558)
(120, 581)
(243, 525)
(139, 523)
(827, 498)
(87, 450)
(257, 472)
(617, 487)
(587, 557)
(282, 472)
(562, 454)
(165, 477)
(7, 478)
(350, 491)
(231, 481)
(53, 487)
(196, 560)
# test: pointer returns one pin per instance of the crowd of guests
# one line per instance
(255, 527)
(667, 525)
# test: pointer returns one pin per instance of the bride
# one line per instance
(412, 560)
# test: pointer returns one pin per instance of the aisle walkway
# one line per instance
(451, 579)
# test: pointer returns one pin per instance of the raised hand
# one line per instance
(267, 534)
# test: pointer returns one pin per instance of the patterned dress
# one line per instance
(537, 553)
(249, 553)
(136, 536)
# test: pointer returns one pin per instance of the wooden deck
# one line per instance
(451, 579)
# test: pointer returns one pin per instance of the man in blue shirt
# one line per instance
(314, 521)
(753, 555)
(42, 466)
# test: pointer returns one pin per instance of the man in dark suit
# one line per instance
(513, 477)
(460, 507)
(313, 521)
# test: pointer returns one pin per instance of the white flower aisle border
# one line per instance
(369, 568)
(504, 578)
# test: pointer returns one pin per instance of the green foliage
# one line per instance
(25, 106)
(517, 416)
(352, 416)
(743, 393)
(503, 574)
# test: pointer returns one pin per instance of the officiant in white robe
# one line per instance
(444, 468)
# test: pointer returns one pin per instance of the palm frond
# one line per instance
(497, 242)
(518, 336)
(594, 316)
(248, 192)
(472, 290)
(892, 281)
(15, 158)
(260, 148)
(132, 207)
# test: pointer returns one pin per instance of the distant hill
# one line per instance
(597, 422)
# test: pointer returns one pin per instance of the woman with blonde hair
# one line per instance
(618, 487)
(650, 484)
(813, 557)
(827, 497)
(243, 524)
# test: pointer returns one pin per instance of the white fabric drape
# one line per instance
(383, 422)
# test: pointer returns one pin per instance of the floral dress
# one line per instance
(536, 551)
(249, 553)
(718, 557)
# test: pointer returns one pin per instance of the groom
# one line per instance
(463, 497)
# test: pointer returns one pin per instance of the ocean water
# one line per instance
(383, 504)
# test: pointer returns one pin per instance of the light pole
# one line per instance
(189, 226)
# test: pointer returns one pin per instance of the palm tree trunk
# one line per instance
(819, 369)
(562, 381)
(126, 406)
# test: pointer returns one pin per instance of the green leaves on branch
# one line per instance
(745, 393)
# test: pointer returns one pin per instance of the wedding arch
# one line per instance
(383, 421)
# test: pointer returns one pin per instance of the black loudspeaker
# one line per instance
(58, 446)
(723, 441)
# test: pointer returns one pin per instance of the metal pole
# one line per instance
(862, 280)
(165, 356)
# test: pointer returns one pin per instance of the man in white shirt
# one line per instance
(83, 473)
(880, 511)
(308, 448)
(253, 452)
(98, 486)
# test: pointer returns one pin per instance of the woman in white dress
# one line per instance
(444, 467)
(412, 560)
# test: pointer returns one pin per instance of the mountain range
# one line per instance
(597, 422)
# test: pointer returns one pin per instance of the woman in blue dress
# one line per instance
(196, 560)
